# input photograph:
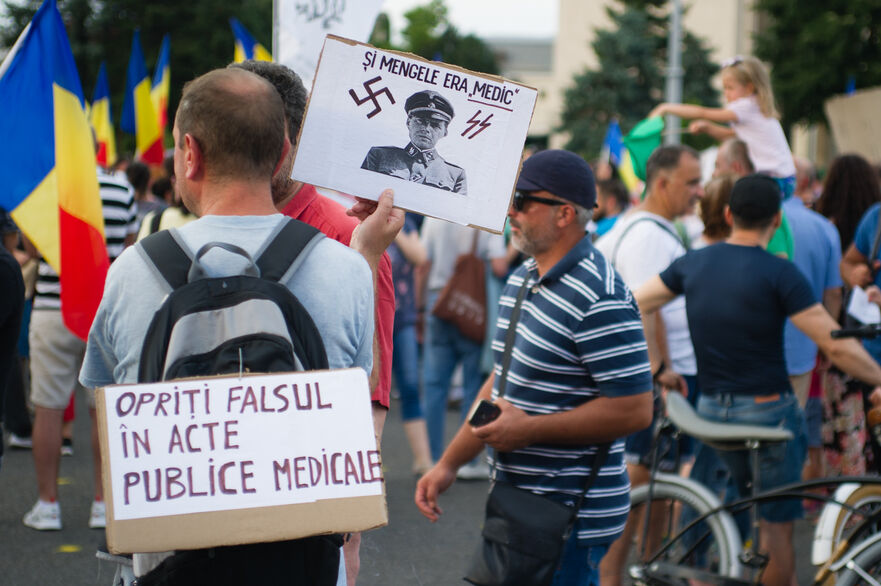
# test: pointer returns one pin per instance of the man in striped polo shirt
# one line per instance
(579, 373)
(56, 356)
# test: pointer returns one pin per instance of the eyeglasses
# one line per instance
(521, 197)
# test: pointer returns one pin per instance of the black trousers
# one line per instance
(313, 561)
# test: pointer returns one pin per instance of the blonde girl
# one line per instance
(750, 115)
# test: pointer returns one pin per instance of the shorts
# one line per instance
(779, 463)
(56, 358)
(638, 446)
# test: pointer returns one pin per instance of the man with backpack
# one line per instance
(229, 140)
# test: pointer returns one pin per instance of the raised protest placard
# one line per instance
(267, 457)
(447, 140)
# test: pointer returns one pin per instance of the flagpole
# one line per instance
(11, 55)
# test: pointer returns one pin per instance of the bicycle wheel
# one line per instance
(711, 546)
(866, 499)
(865, 569)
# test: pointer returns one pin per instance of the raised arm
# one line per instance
(846, 353)
(691, 111)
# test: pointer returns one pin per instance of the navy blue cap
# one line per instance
(562, 173)
(755, 197)
(430, 104)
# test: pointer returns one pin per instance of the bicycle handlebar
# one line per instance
(863, 332)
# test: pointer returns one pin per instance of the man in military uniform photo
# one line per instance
(428, 115)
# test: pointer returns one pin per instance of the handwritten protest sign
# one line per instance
(259, 447)
(447, 140)
(300, 26)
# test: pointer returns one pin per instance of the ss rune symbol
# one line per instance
(474, 121)
(372, 96)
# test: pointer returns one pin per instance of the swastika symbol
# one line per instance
(474, 121)
(372, 96)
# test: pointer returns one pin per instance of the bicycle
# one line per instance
(709, 547)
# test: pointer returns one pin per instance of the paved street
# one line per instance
(409, 551)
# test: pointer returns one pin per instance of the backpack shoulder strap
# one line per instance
(167, 256)
(156, 220)
(283, 251)
(635, 222)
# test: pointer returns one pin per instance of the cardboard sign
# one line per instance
(447, 140)
(854, 122)
(268, 457)
(300, 28)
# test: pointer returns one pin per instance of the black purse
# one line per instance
(524, 533)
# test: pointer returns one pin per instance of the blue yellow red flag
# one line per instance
(101, 119)
(247, 46)
(138, 116)
(161, 84)
(48, 165)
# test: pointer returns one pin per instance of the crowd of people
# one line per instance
(597, 302)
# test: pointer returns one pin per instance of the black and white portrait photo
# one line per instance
(428, 118)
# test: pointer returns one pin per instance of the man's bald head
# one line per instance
(288, 85)
(733, 159)
(237, 119)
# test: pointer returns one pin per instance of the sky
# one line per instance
(488, 18)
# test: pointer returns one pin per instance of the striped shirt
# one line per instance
(120, 220)
(579, 337)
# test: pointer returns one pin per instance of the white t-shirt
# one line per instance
(764, 138)
(645, 250)
(445, 242)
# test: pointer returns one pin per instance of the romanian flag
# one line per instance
(161, 83)
(48, 166)
(246, 46)
(138, 115)
(100, 117)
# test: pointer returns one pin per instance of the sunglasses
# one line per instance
(521, 197)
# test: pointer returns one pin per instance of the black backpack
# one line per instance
(224, 325)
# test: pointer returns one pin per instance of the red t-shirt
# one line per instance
(330, 217)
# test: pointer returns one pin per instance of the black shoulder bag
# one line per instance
(524, 533)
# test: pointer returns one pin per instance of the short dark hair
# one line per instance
(754, 201)
(616, 189)
(666, 158)
(237, 119)
(138, 175)
(289, 86)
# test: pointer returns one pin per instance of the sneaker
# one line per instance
(67, 447)
(17, 441)
(44, 517)
(97, 518)
(478, 471)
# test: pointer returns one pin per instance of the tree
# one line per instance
(816, 48)
(201, 38)
(430, 35)
(630, 78)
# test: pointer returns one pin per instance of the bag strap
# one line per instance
(166, 256)
(284, 247)
(634, 223)
(156, 220)
(511, 333)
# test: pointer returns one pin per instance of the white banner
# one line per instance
(215, 444)
(301, 25)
